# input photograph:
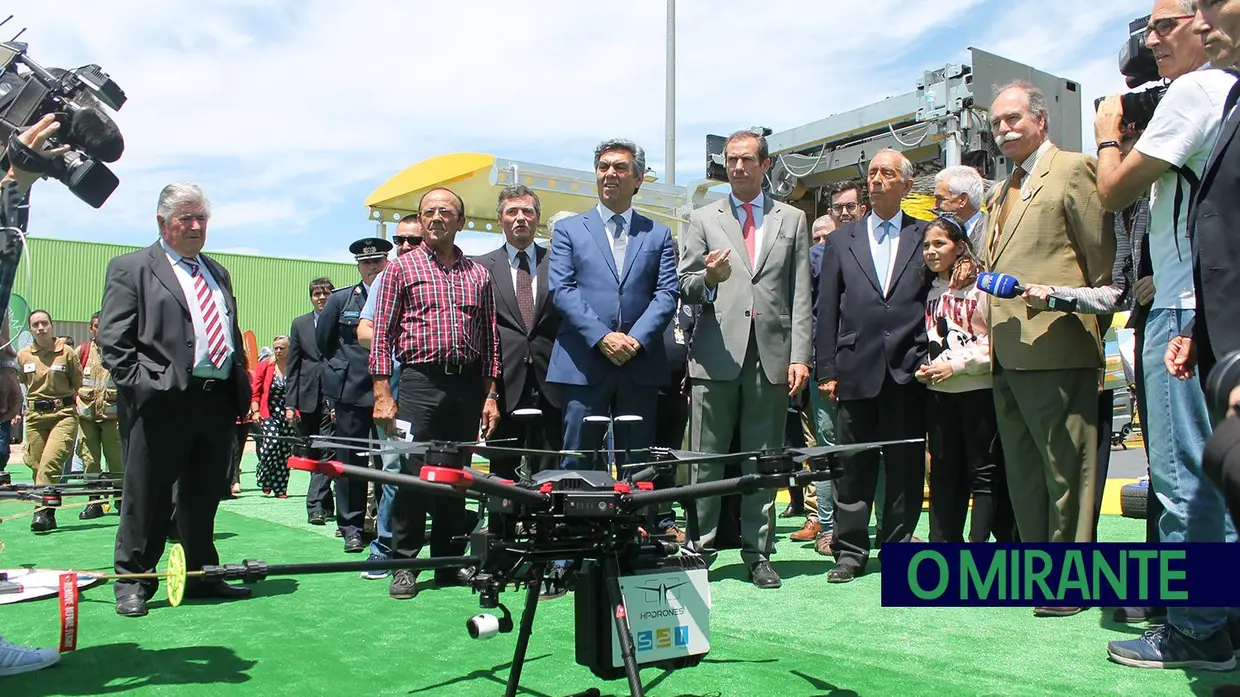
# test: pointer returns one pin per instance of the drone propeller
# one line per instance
(805, 454)
(669, 457)
(390, 447)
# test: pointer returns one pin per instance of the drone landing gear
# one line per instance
(611, 580)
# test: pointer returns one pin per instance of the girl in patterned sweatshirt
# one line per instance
(965, 456)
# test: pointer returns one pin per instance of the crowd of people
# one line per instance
(870, 322)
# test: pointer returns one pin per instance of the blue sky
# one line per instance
(291, 113)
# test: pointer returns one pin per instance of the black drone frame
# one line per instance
(555, 516)
(53, 495)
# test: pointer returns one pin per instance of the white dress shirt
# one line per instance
(532, 254)
(610, 225)
(759, 217)
(202, 358)
(975, 230)
(891, 243)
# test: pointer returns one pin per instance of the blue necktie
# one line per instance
(621, 241)
(882, 256)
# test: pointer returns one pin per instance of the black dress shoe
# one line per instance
(220, 590)
(92, 511)
(316, 519)
(763, 576)
(132, 605)
(354, 544)
(841, 574)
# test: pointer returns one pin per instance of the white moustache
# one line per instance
(1007, 137)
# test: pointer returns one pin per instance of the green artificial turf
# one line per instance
(341, 635)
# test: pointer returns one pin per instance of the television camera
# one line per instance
(1137, 65)
(28, 92)
(640, 600)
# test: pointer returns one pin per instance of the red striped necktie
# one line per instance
(216, 349)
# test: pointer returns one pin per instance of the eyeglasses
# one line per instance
(1164, 26)
(411, 240)
(851, 207)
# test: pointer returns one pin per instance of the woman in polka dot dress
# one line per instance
(268, 409)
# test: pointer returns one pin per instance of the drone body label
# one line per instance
(668, 613)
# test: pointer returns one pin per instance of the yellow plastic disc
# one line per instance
(176, 575)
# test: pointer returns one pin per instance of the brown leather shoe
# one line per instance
(823, 542)
(807, 532)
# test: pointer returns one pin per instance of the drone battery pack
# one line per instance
(668, 611)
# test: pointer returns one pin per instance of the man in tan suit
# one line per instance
(745, 260)
(1047, 227)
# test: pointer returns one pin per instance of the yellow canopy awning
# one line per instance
(478, 178)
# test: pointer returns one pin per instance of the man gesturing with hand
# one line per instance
(613, 280)
(752, 341)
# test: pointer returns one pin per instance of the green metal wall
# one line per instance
(67, 281)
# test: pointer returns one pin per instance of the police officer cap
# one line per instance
(370, 248)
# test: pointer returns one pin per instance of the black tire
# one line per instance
(1132, 500)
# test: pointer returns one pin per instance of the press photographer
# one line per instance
(1170, 157)
(14, 195)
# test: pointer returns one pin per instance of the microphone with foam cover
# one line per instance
(95, 133)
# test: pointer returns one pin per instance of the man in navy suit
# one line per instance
(871, 339)
(613, 281)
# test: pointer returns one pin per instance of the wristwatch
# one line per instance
(493, 395)
(9, 363)
(1108, 144)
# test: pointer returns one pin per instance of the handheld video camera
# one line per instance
(1137, 65)
(29, 91)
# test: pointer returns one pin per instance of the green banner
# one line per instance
(18, 311)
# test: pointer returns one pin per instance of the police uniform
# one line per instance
(101, 438)
(51, 378)
(348, 386)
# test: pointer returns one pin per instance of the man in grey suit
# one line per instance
(751, 346)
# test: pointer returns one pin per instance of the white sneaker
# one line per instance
(15, 660)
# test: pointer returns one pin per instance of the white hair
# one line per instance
(962, 179)
(906, 166)
(180, 194)
(562, 215)
(823, 221)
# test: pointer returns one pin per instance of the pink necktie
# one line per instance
(216, 349)
(747, 232)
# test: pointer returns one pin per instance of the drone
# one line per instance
(640, 600)
(53, 495)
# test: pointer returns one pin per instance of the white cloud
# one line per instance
(289, 113)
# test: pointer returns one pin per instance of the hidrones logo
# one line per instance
(666, 590)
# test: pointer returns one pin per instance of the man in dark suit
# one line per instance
(305, 395)
(613, 281)
(527, 325)
(871, 338)
(170, 338)
(347, 382)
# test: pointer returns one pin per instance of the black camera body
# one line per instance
(1138, 66)
(1223, 378)
(75, 97)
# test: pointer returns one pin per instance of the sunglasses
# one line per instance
(410, 240)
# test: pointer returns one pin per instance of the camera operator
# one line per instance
(15, 659)
(1171, 156)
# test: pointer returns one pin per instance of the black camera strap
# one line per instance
(1185, 174)
(25, 158)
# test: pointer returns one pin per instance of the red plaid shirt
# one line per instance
(426, 313)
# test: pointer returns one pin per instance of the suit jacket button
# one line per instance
(886, 306)
(746, 313)
(189, 344)
(886, 333)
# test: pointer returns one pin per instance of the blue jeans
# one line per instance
(1177, 428)
(824, 434)
(382, 544)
